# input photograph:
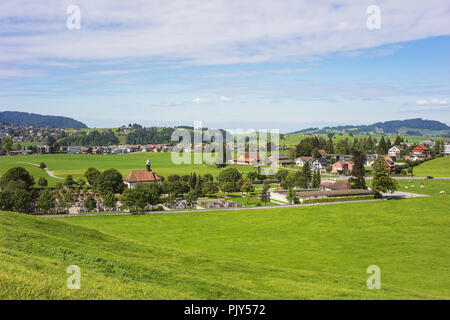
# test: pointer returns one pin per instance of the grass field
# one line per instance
(76, 164)
(439, 167)
(284, 253)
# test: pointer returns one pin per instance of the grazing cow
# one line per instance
(406, 187)
(421, 187)
(442, 192)
(412, 186)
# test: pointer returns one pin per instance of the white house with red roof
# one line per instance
(142, 176)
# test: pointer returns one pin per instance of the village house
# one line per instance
(283, 160)
(247, 158)
(427, 143)
(420, 151)
(302, 160)
(142, 176)
(321, 163)
(396, 152)
(370, 159)
(447, 150)
(342, 166)
(390, 163)
(335, 185)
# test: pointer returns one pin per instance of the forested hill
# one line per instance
(395, 126)
(25, 118)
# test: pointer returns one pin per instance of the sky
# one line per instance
(286, 64)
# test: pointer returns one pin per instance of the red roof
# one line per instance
(142, 176)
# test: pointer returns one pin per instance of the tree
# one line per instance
(191, 198)
(301, 181)
(230, 176)
(91, 174)
(247, 187)
(109, 181)
(210, 188)
(7, 144)
(42, 165)
(265, 194)
(109, 200)
(90, 203)
(6, 200)
(292, 196)
(306, 172)
(382, 149)
(381, 181)
(67, 199)
(81, 182)
(228, 187)
(68, 181)
(21, 178)
(45, 201)
(42, 182)
(289, 181)
(142, 195)
(358, 180)
(21, 200)
(316, 179)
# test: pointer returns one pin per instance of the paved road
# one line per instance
(50, 173)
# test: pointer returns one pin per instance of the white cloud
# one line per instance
(431, 102)
(210, 32)
(202, 101)
(226, 99)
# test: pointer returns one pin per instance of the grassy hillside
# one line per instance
(76, 164)
(439, 167)
(285, 253)
(294, 139)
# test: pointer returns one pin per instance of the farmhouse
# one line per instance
(142, 176)
(247, 159)
(321, 163)
(302, 160)
(396, 152)
(282, 160)
(342, 166)
(335, 185)
(420, 151)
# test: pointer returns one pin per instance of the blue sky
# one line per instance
(256, 64)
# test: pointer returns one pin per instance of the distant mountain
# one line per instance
(25, 118)
(417, 126)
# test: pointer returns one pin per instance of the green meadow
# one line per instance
(439, 167)
(309, 252)
(76, 164)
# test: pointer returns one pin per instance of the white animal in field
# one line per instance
(412, 186)
(406, 187)
(442, 192)
(421, 187)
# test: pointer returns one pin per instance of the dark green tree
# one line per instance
(19, 176)
(358, 180)
(381, 181)
(91, 174)
(109, 181)
(45, 201)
